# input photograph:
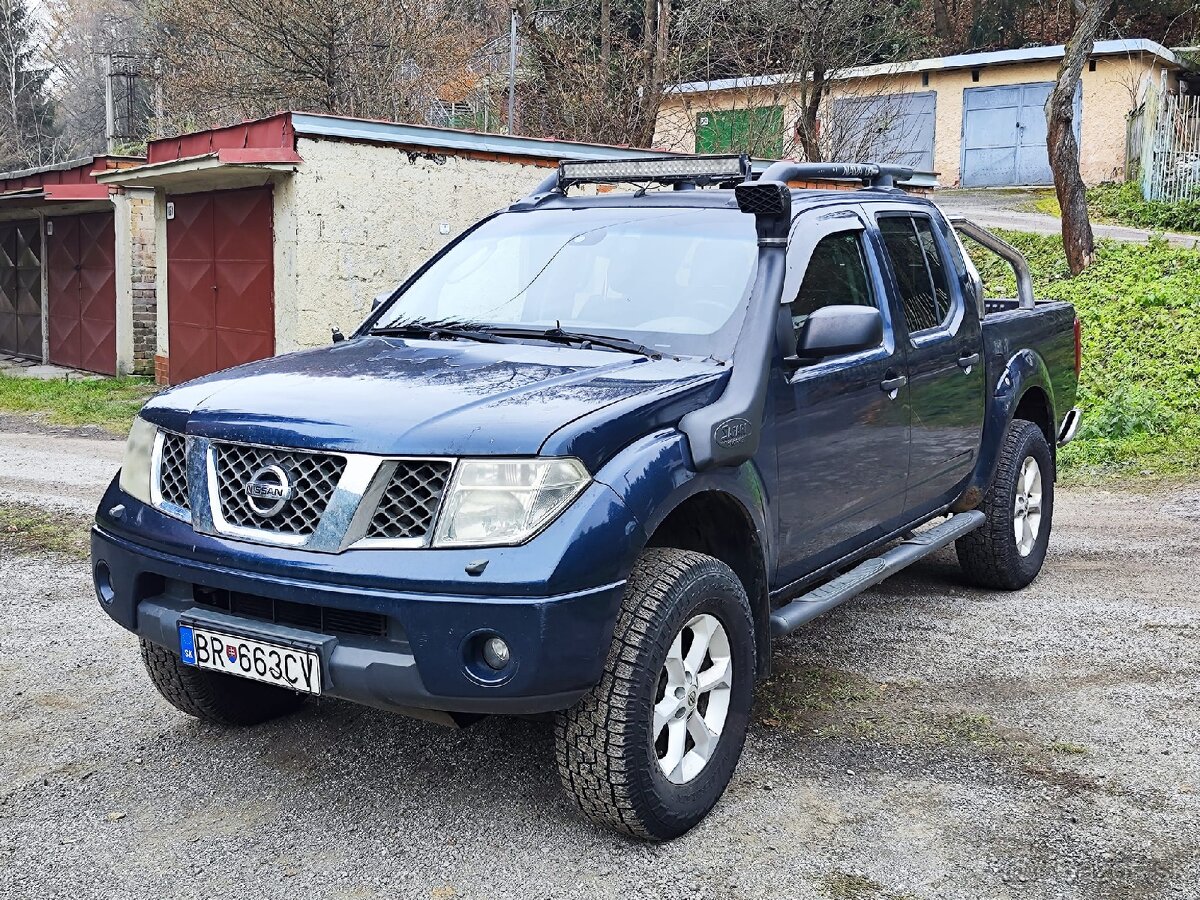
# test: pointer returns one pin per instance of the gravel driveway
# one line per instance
(924, 741)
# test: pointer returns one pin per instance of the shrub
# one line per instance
(1124, 204)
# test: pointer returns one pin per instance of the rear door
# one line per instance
(841, 422)
(945, 366)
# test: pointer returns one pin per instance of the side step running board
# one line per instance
(870, 572)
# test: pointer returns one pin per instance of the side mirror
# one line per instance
(833, 330)
(380, 299)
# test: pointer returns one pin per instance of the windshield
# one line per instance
(675, 280)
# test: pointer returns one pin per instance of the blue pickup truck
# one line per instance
(589, 460)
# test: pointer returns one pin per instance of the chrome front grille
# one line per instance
(410, 501)
(172, 471)
(312, 478)
(324, 502)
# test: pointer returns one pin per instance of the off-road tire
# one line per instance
(212, 696)
(989, 556)
(604, 745)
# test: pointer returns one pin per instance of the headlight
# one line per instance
(135, 470)
(506, 501)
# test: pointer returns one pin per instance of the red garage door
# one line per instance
(21, 289)
(81, 292)
(220, 281)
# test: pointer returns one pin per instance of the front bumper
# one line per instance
(427, 659)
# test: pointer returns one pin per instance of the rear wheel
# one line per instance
(212, 696)
(650, 749)
(1007, 552)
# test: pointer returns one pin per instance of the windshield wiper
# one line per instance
(435, 331)
(561, 336)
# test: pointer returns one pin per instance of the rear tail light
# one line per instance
(1078, 346)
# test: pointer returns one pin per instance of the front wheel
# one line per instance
(1007, 552)
(651, 748)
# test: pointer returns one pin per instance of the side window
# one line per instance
(920, 271)
(836, 276)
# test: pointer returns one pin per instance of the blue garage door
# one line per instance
(1004, 134)
(897, 128)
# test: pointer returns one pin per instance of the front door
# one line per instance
(945, 365)
(842, 422)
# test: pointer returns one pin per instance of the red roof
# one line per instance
(69, 181)
(271, 134)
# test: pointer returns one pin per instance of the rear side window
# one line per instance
(920, 271)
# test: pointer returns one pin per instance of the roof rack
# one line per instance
(701, 171)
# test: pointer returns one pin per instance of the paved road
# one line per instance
(1008, 209)
(924, 741)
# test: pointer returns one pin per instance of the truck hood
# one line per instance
(441, 398)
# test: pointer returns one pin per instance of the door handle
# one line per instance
(891, 386)
(966, 361)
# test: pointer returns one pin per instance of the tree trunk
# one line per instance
(810, 127)
(606, 33)
(1078, 242)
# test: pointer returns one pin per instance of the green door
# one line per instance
(757, 131)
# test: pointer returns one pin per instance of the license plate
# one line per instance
(298, 670)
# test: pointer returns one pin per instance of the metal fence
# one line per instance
(1170, 158)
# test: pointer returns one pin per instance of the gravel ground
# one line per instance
(924, 741)
(58, 467)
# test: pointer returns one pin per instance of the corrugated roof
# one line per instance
(378, 132)
(1130, 47)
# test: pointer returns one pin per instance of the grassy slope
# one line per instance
(1122, 204)
(110, 403)
(1140, 389)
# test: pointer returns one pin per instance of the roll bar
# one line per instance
(1005, 251)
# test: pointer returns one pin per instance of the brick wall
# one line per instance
(142, 282)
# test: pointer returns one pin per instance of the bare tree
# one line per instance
(230, 59)
(781, 65)
(79, 36)
(27, 132)
(1078, 241)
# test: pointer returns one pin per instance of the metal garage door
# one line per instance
(81, 292)
(897, 128)
(220, 281)
(1004, 134)
(21, 289)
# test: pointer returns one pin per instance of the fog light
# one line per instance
(103, 580)
(495, 653)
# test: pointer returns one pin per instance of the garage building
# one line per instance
(76, 268)
(975, 119)
(271, 233)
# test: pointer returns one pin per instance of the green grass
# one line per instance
(1123, 204)
(30, 529)
(1140, 386)
(110, 403)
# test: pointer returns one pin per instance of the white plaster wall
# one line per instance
(356, 219)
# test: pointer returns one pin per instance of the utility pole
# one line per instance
(110, 113)
(512, 69)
